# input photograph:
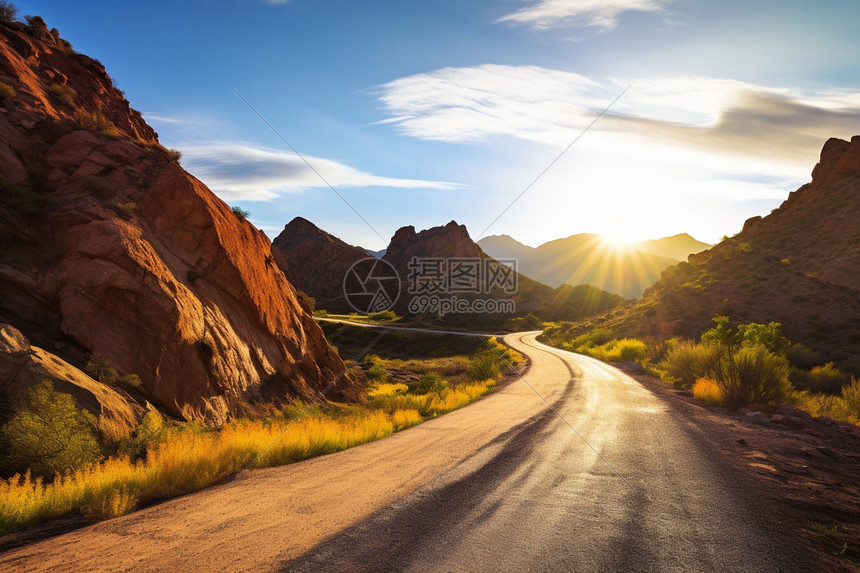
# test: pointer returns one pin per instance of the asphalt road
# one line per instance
(575, 467)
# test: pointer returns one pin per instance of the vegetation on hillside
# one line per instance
(750, 363)
(64, 469)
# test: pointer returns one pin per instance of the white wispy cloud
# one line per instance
(601, 14)
(157, 118)
(707, 115)
(239, 172)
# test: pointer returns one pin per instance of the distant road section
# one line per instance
(574, 467)
(406, 328)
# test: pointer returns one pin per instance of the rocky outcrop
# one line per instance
(22, 366)
(448, 241)
(111, 248)
(316, 262)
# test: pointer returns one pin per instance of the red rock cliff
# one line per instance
(110, 248)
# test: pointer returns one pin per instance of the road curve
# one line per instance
(574, 467)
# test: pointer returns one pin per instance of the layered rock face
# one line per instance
(316, 262)
(110, 248)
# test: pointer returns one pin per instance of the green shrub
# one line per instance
(752, 374)
(62, 93)
(101, 370)
(687, 361)
(429, 383)
(51, 435)
(484, 366)
(6, 91)
(149, 433)
(378, 373)
(827, 379)
(768, 335)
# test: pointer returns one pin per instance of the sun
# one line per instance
(618, 238)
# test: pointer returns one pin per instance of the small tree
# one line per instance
(51, 435)
(8, 12)
(240, 212)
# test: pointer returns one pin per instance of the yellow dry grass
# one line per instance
(188, 461)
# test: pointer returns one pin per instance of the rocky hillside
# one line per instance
(316, 262)
(110, 249)
(799, 266)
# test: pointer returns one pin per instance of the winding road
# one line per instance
(573, 467)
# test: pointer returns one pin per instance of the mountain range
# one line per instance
(590, 259)
(317, 263)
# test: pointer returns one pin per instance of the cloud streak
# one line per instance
(707, 115)
(238, 172)
(601, 14)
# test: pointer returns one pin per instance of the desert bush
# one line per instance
(619, 350)
(8, 12)
(485, 365)
(826, 378)
(851, 397)
(63, 94)
(50, 435)
(6, 91)
(100, 369)
(752, 374)
(96, 122)
(687, 361)
(430, 382)
(768, 335)
(708, 391)
(174, 155)
(240, 212)
(377, 372)
(803, 357)
(149, 433)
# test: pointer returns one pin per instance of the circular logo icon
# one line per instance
(371, 285)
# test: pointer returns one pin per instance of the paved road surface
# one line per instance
(608, 478)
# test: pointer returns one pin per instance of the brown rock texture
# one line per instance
(22, 366)
(316, 262)
(110, 248)
(799, 266)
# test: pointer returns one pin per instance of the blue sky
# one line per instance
(423, 112)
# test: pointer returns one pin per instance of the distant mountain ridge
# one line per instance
(317, 262)
(587, 258)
